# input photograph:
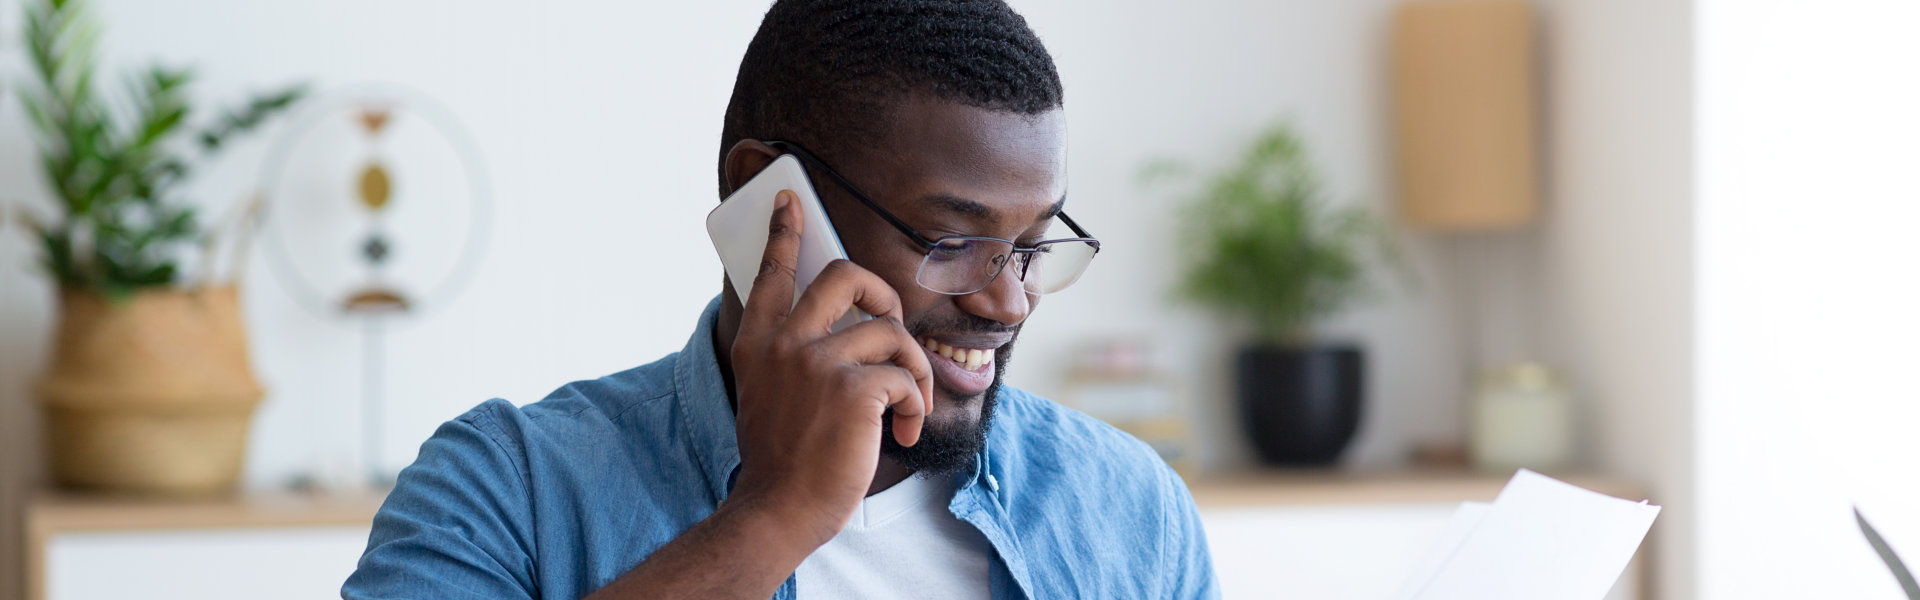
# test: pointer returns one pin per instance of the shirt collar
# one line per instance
(706, 415)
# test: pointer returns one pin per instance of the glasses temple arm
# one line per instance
(1079, 231)
(810, 159)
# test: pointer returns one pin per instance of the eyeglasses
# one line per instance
(963, 264)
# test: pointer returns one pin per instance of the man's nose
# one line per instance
(1005, 299)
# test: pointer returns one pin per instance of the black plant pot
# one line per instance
(1300, 406)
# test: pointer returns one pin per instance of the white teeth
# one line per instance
(967, 358)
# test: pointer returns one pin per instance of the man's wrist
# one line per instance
(783, 532)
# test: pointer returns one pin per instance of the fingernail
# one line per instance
(782, 199)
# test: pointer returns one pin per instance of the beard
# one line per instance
(948, 448)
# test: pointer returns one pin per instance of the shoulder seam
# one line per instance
(491, 429)
(637, 404)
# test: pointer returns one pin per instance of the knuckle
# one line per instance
(782, 346)
(818, 359)
(773, 268)
(848, 379)
(903, 377)
(839, 271)
(882, 294)
(877, 282)
(779, 229)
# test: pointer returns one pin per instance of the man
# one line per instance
(772, 457)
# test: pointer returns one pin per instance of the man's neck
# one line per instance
(885, 474)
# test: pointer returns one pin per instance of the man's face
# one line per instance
(949, 169)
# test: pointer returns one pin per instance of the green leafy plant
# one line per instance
(1263, 243)
(114, 165)
(1880, 546)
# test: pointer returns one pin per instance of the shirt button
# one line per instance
(993, 484)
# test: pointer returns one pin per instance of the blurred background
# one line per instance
(1667, 252)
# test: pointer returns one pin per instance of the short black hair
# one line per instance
(823, 73)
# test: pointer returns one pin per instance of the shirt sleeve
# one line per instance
(457, 524)
(1189, 563)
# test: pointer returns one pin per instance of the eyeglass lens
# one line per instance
(964, 265)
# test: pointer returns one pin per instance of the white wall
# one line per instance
(599, 122)
(1744, 247)
(1807, 295)
(1196, 80)
(1725, 259)
(1616, 247)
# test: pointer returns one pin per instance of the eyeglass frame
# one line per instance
(928, 245)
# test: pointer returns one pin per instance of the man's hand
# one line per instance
(809, 401)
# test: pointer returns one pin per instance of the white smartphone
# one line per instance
(739, 231)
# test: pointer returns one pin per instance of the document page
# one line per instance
(1539, 539)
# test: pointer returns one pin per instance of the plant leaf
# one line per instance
(256, 111)
(108, 157)
(1263, 244)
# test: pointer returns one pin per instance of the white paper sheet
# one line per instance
(1540, 539)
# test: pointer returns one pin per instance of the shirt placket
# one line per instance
(978, 504)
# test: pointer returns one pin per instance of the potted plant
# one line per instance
(1263, 246)
(150, 388)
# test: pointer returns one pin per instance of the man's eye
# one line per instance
(948, 250)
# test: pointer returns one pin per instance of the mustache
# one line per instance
(962, 324)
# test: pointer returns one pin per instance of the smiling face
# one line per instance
(948, 169)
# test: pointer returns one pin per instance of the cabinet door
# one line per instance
(292, 563)
(1361, 551)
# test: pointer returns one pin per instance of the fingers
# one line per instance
(772, 295)
(842, 285)
(884, 341)
(896, 389)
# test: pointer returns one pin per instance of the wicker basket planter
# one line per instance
(154, 395)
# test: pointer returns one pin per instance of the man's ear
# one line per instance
(746, 159)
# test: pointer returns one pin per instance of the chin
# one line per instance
(953, 435)
(952, 415)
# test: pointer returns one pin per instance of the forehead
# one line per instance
(1013, 164)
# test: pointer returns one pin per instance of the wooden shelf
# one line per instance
(1306, 488)
(65, 512)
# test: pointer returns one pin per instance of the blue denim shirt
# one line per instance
(559, 498)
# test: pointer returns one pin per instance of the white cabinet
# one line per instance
(1342, 537)
(292, 563)
(250, 546)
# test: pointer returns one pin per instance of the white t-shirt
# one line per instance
(900, 543)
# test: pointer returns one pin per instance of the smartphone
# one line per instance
(739, 231)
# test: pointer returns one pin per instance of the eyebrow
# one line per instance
(973, 209)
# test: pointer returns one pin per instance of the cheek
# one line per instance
(896, 265)
(900, 273)
(915, 300)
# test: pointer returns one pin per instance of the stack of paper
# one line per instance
(1540, 539)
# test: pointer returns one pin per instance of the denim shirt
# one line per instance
(558, 498)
